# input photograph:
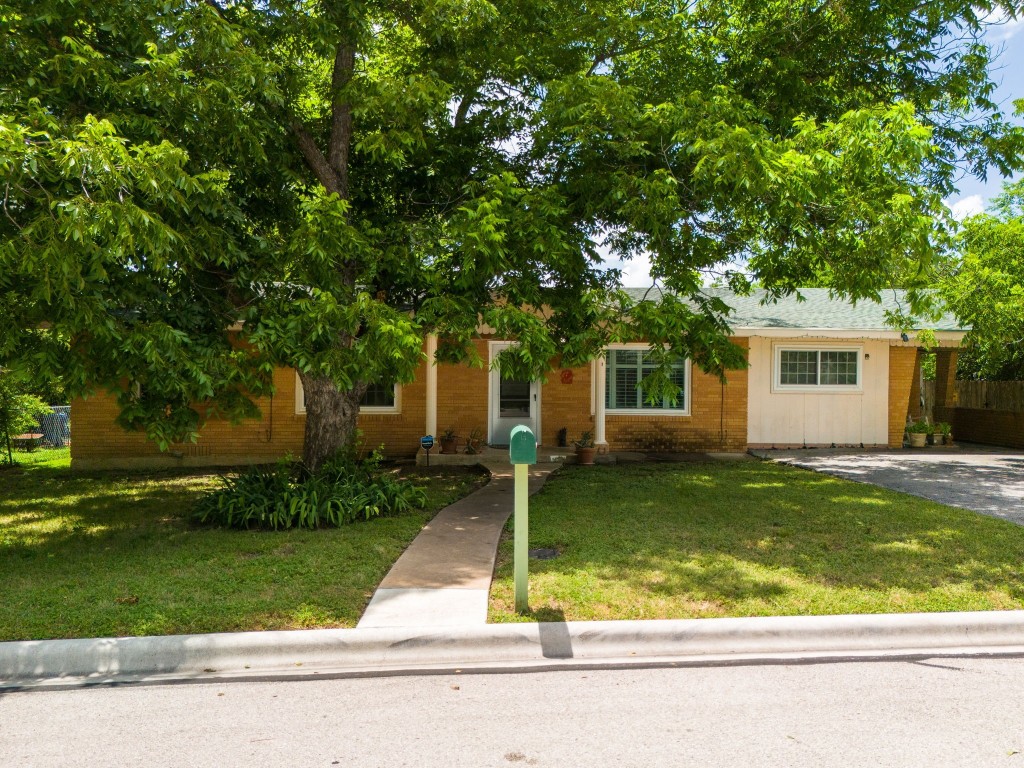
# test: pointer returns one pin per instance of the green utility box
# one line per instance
(522, 446)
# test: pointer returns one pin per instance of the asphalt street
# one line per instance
(941, 712)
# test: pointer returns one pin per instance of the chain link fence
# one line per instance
(56, 426)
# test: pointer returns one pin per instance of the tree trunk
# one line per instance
(330, 413)
(330, 418)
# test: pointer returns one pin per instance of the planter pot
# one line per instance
(937, 438)
(918, 439)
(450, 446)
(585, 455)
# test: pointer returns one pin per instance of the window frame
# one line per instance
(646, 410)
(300, 401)
(778, 386)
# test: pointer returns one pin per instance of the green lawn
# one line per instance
(752, 539)
(115, 554)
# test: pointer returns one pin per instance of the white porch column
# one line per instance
(431, 421)
(600, 442)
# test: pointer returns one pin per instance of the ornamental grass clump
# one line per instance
(287, 495)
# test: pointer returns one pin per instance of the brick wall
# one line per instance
(99, 443)
(463, 399)
(945, 377)
(904, 390)
(717, 420)
(462, 396)
(565, 401)
(462, 403)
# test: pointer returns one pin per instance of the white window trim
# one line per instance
(685, 411)
(369, 410)
(838, 389)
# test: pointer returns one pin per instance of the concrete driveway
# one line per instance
(979, 478)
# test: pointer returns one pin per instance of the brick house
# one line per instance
(820, 372)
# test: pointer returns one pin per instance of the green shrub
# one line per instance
(18, 411)
(288, 496)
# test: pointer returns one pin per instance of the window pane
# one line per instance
(514, 399)
(625, 356)
(679, 379)
(798, 367)
(379, 396)
(626, 393)
(839, 368)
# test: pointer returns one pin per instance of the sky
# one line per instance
(973, 194)
(1008, 74)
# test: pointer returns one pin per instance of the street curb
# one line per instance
(505, 647)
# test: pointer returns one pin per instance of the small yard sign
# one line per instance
(426, 443)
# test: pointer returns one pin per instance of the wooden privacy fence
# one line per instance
(990, 395)
(980, 395)
(990, 412)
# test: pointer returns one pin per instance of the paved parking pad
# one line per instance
(989, 481)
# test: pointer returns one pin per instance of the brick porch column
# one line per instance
(914, 406)
(945, 378)
(431, 398)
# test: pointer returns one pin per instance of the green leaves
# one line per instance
(985, 288)
(193, 192)
(18, 410)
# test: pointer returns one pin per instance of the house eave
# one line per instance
(945, 338)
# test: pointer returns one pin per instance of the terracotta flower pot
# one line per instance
(450, 446)
(585, 455)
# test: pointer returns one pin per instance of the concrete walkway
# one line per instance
(980, 478)
(444, 577)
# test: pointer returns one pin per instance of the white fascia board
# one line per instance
(945, 338)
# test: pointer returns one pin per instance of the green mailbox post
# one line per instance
(522, 451)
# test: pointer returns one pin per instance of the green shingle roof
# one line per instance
(817, 310)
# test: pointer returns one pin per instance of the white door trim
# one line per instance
(494, 349)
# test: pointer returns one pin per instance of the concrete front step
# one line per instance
(489, 455)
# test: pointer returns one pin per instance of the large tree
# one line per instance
(194, 192)
(985, 287)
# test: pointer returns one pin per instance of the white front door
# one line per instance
(512, 402)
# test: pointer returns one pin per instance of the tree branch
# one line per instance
(315, 159)
(463, 110)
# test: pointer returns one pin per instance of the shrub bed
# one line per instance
(287, 495)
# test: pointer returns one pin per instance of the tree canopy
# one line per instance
(195, 191)
(985, 287)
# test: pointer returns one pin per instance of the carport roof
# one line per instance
(816, 310)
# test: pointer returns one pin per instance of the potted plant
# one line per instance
(449, 441)
(937, 433)
(947, 432)
(585, 450)
(918, 433)
(474, 441)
